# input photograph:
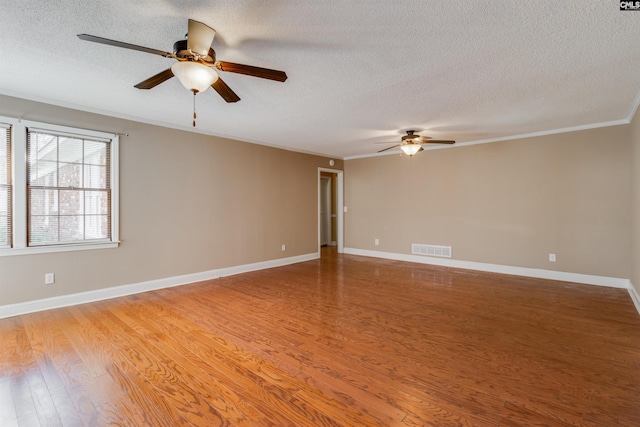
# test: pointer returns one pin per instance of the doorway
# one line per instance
(327, 210)
(330, 209)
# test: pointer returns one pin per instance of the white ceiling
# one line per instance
(359, 71)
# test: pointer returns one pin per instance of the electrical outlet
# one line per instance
(49, 279)
(552, 257)
(284, 248)
(376, 242)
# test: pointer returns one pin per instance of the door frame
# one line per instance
(339, 207)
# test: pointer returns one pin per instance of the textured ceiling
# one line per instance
(359, 71)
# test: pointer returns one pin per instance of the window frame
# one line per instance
(8, 185)
(19, 202)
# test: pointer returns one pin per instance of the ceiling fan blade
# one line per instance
(249, 70)
(437, 141)
(389, 148)
(116, 43)
(421, 149)
(199, 37)
(154, 81)
(225, 91)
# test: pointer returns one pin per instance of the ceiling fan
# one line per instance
(196, 63)
(412, 143)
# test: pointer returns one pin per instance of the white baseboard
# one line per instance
(135, 288)
(634, 296)
(612, 282)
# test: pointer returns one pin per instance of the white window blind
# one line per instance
(5, 186)
(68, 188)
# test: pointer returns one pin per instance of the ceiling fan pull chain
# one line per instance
(194, 108)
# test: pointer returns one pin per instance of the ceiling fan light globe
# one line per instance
(194, 76)
(410, 149)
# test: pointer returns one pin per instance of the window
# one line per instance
(64, 193)
(68, 188)
(5, 185)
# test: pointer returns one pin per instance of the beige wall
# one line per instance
(635, 202)
(188, 203)
(509, 203)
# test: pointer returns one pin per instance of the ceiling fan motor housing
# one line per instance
(181, 51)
(410, 136)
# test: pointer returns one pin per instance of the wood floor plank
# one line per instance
(31, 388)
(122, 396)
(271, 331)
(206, 364)
(195, 390)
(339, 341)
(8, 413)
(63, 371)
(8, 373)
(379, 410)
(267, 383)
(343, 367)
(146, 379)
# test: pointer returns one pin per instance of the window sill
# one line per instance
(57, 248)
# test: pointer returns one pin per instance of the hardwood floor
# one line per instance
(344, 340)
